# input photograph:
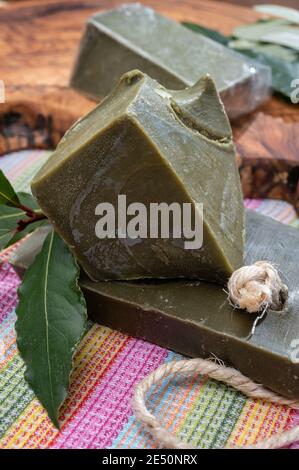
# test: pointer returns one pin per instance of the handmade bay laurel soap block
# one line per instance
(135, 36)
(150, 147)
(195, 318)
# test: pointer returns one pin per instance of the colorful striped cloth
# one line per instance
(108, 364)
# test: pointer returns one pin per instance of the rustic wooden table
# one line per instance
(38, 45)
(285, 3)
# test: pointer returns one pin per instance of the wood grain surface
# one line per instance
(38, 45)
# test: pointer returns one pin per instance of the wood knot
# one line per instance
(257, 287)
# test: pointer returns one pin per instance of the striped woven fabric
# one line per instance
(108, 364)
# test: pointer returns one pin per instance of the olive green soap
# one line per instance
(195, 318)
(136, 37)
(151, 146)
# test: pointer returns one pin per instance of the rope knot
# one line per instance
(257, 287)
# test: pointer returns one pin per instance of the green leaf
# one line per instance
(7, 193)
(283, 72)
(17, 236)
(284, 38)
(289, 14)
(5, 237)
(9, 217)
(272, 50)
(51, 319)
(284, 62)
(28, 200)
(210, 33)
(256, 31)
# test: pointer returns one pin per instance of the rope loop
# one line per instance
(218, 372)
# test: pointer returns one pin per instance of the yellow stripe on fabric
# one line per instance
(276, 417)
(252, 423)
(78, 383)
(11, 368)
(34, 415)
(8, 361)
(175, 400)
(261, 428)
(204, 433)
(246, 423)
(199, 409)
(37, 415)
(251, 429)
(9, 356)
(16, 436)
(31, 420)
(192, 392)
(93, 339)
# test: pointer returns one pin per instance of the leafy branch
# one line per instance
(19, 214)
(51, 314)
(262, 42)
(51, 321)
(34, 216)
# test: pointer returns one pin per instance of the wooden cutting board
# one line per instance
(38, 46)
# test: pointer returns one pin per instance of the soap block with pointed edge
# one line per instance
(195, 318)
(143, 143)
(136, 37)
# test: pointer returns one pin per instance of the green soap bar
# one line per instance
(195, 319)
(150, 146)
(136, 37)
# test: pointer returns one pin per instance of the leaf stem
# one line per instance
(33, 217)
(26, 209)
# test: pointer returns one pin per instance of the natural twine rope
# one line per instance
(215, 371)
(257, 287)
(254, 288)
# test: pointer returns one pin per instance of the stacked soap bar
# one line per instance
(194, 318)
(150, 146)
(135, 36)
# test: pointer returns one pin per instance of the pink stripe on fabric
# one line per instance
(294, 422)
(16, 170)
(13, 170)
(252, 203)
(108, 408)
(9, 282)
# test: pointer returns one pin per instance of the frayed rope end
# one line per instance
(257, 287)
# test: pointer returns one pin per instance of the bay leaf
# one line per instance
(28, 200)
(242, 44)
(9, 217)
(283, 38)
(7, 193)
(275, 50)
(210, 33)
(283, 71)
(5, 237)
(27, 251)
(51, 319)
(17, 236)
(256, 31)
(290, 14)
